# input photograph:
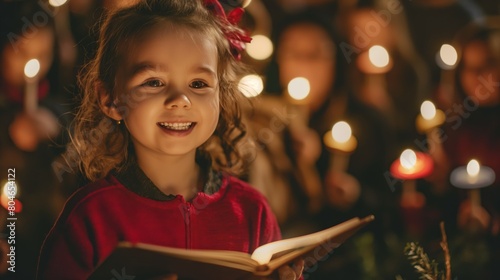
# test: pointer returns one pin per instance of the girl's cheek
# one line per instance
(213, 109)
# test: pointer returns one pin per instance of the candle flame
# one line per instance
(341, 132)
(31, 68)
(448, 54)
(428, 110)
(378, 56)
(299, 88)
(57, 3)
(473, 168)
(261, 47)
(408, 158)
(251, 85)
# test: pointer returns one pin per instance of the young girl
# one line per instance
(157, 134)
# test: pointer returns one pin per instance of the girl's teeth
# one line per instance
(177, 126)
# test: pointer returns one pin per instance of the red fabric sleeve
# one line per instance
(67, 252)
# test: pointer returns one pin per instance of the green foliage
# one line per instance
(428, 269)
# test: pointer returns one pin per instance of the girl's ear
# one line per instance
(107, 104)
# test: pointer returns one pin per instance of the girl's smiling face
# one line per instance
(169, 92)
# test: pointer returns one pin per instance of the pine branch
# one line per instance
(444, 245)
(421, 262)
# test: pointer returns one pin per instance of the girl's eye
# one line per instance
(153, 83)
(198, 84)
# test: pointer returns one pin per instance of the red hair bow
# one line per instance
(236, 37)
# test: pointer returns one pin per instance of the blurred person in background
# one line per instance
(432, 23)
(306, 46)
(394, 87)
(30, 140)
(472, 131)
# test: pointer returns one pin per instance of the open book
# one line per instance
(144, 261)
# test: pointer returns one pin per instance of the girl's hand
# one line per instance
(291, 272)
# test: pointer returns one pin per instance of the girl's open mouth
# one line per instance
(177, 128)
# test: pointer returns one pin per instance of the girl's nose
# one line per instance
(176, 101)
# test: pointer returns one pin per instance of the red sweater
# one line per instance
(98, 216)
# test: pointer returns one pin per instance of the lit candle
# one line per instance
(428, 121)
(375, 63)
(472, 177)
(261, 47)
(379, 56)
(31, 70)
(429, 117)
(410, 166)
(298, 91)
(8, 197)
(65, 41)
(446, 59)
(341, 144)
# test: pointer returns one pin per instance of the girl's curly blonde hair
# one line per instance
(101, 144)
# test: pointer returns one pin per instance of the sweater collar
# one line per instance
(134, 179)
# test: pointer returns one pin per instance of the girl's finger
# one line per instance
(298, 267)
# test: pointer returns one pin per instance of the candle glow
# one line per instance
(473, 168)
(6, 198)
(472, 176)
(428, 110)
(429, 117)
(412, 165)
(299, 88)
(31, 68)
(5, 190)
(340, 139)
(341, 132)
(408, 159)
(448, 54)
(251, 85)
(378, 56)
(261, 47)
(57, 3)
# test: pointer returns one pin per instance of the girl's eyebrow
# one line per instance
(205, 69)
(146, 66)
(158, 67)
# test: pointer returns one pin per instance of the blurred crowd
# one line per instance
(309, 184)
